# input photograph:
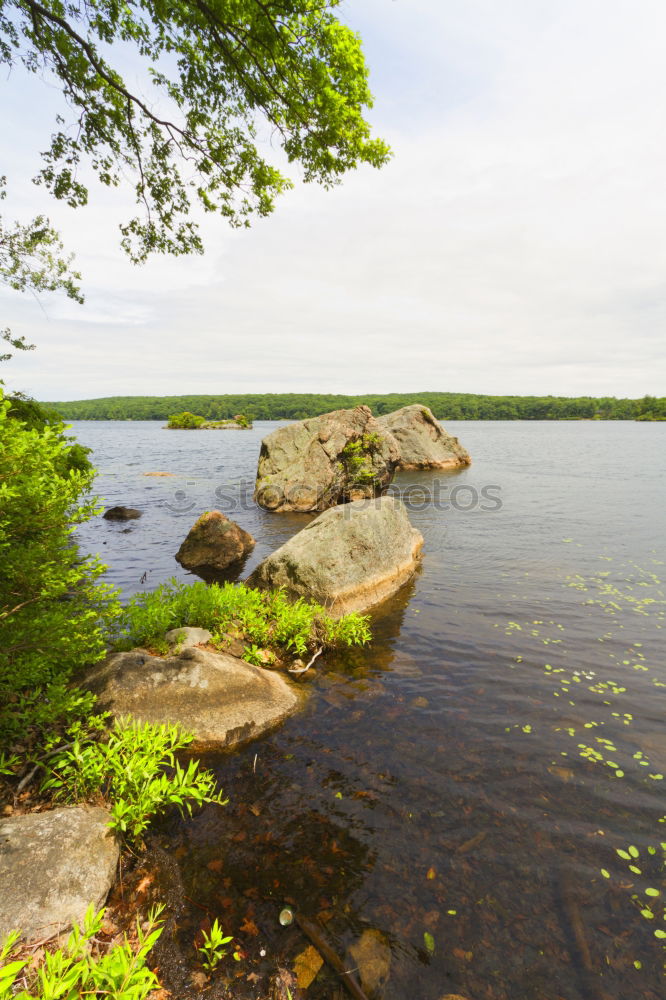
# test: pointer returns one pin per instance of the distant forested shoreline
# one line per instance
(298, 406)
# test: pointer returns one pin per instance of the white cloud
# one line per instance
(515, 244)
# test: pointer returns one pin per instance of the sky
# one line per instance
(516, 243)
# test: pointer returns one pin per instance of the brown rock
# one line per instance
(213, 543)
(372, 956)
(121, 514)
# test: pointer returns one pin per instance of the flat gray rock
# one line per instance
(183, 638)
(224, 701)
(53, 865)
(348, 558)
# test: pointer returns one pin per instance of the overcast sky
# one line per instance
(515, 244)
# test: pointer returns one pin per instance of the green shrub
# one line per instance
(54, 612)
(185, 421)
(34, 416)
(262, 618)
(134, 769)
(80, 969)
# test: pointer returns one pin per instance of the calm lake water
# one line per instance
(463, 785)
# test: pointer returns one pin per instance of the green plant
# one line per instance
(253, 654)
(213, 949)
(134, 768)
(263, 618)
(356, 456)
(54, 612)
(185, 421)
(80, 968)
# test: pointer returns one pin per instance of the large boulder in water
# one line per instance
(223, 700)
(326, 460)
(213, 543)
(423, 442)
(348, 558)
(53, 866)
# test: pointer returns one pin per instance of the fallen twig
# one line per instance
(301, 670)
(31, 774)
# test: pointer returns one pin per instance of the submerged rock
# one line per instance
(53, 865)
(423, 442)
(213, 543)
(121, 514)
(348, 558)
(317, 463)
(224, 701)
(371, 955)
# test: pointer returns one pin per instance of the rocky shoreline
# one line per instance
(359, 551)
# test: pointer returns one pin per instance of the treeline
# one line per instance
(297, 406)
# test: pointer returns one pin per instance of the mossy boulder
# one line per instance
(327, 460)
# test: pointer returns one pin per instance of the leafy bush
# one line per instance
(262, 618)
(53, 610)
(80, 969)
(134, 769)
(185, 421)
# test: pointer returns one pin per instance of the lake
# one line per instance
(484, 784)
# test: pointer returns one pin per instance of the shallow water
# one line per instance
(449, 786)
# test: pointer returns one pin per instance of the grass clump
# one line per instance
(261, 618)
(133, 768)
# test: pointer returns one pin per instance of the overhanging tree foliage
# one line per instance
(221, 71)
(32, 258)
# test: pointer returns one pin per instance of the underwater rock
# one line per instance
(371, 954)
